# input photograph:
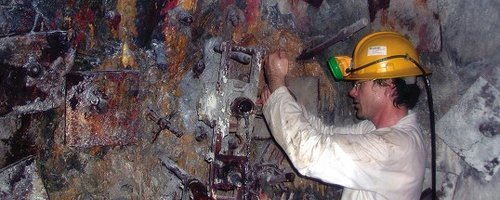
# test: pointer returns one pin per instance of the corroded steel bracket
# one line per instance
(236, 92)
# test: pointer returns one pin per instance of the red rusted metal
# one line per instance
(102, 108)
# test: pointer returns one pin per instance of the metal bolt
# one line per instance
(185, 18)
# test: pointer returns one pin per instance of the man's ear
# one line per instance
(390, 87)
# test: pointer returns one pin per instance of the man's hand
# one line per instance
(264, 96)
(275, 69)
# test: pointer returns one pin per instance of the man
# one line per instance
(383, 156)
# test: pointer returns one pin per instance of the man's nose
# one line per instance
(353, 92)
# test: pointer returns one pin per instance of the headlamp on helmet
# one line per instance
(379, 55)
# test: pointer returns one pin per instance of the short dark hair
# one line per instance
(405, 94)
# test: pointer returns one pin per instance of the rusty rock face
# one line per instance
(21, 180)
(35, 63)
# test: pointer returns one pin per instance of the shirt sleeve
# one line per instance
(341, 156)
(321, 128)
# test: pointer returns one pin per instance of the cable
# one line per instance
(432, 125)
(433, 135)
(431, 110)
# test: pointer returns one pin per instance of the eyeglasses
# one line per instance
(358, 84)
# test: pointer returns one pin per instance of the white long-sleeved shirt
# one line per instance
(385, 163)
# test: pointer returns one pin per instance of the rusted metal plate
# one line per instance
(102, 108)
(418, 19)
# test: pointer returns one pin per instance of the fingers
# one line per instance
(281, 53)
(264, 96)
(276, 69)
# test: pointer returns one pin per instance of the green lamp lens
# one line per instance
(334, 67)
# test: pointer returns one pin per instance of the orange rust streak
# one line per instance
(176, 44)
(236, 37)
(128, 30)
(188, 5)
(128, 58)
(128, 14)
(92, 36)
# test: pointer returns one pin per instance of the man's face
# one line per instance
(367, 98)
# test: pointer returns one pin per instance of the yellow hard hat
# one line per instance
(379, 55)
